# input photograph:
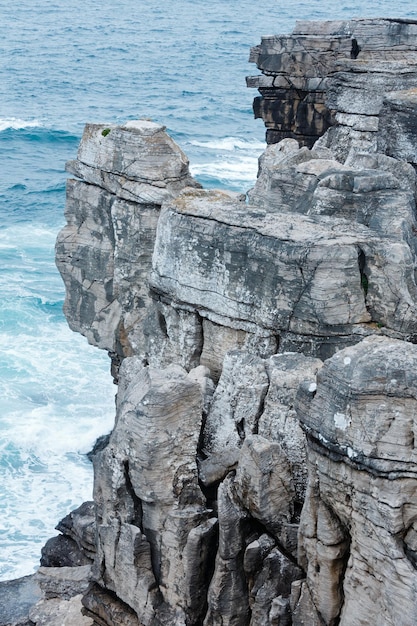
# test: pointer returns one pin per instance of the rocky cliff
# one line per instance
(262, 469)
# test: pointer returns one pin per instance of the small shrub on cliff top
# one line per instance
(105, 131)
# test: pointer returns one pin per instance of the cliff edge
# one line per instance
(262, 467)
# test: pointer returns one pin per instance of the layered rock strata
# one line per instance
(333, 73)
(357, 532)
(127, 170)
(261, 468)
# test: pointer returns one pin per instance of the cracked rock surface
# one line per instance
(356, 539)
(261, 470)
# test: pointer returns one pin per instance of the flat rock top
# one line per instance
(139, 150)
(218, 206)
(146, 127)
(17, 597)
(346, 28)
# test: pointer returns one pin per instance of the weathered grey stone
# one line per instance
(199, 490)
(273, 291)
(345, 142)
(377, 381)
(217, 465)
(361, 502)
(137, 161)
(402, 171)
(218, 340)
(279, 421)
(332, 72)
(287, 177)
(147, 547)
(280, 612)
(255, 553)
(263, 483)
(105, 258)
(269, 595)
(228, 593)
(359, 87)
(17, 597)
(126, 554)
(266, 572)
(358, 122)
(58, 611)
(63, 582)
(302, 606)
(397, 136)
(173, 335)
(85, 258)
(312, 268)
(104, 253)
(80, 526)
(62, 551)
(237, 402)
(106, 608)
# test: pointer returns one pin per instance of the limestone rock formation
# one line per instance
(333, 73)
(398, 134)
(261, 470)
(151, 460)
(357, 525)
(76, 545)
(103, 256)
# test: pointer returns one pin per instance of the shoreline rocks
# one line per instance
(261, 470)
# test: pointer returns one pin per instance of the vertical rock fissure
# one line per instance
(363, 275)
(355, 50)
(137, 503)
(346, 557)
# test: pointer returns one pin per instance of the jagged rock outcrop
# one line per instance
(151, 460)
(105, 258)
(334, 73)
(245, 482)
(76, 543)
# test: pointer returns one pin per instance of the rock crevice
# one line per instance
(261, 470)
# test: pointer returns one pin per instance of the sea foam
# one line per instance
(15, 123)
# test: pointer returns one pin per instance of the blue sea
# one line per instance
(64, 63)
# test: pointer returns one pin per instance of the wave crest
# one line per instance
(15, 123)
(230, 144)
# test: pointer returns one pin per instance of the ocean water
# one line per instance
(182, 63)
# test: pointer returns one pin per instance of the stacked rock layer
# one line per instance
(336, 73)
(262, 467)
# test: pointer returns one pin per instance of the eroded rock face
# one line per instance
(104, 253)
(152, 515)
(245, 483)
(398, 130)
(332, 75)
(357, 525)
(322, 270)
